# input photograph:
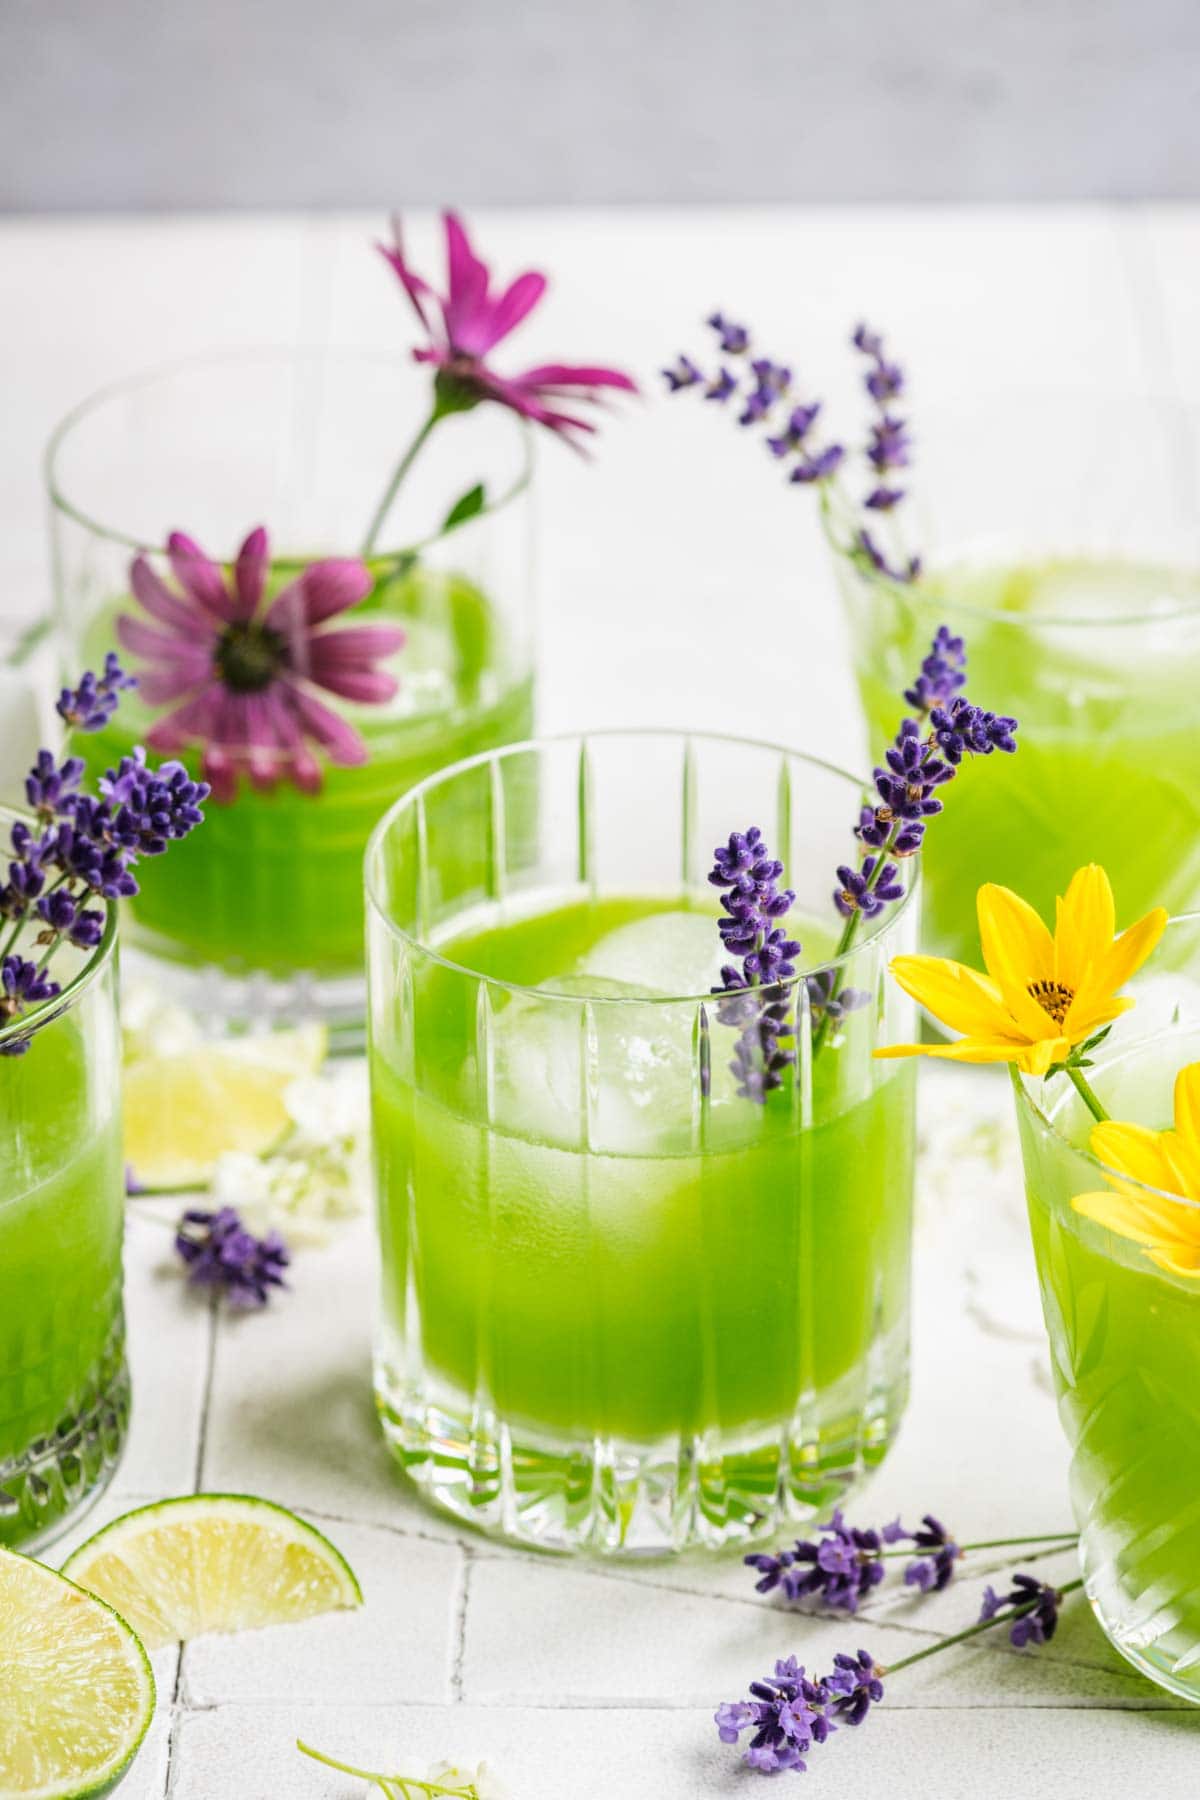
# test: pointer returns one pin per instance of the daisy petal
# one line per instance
(1017, 947)
(155, 597)
(1129, 952)
(199, 576)
(960, 997)
(1086, 926)
(250, 573)
(968, 1050)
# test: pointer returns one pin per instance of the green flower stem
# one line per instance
(850, 928)
(1087, 1093)
(399, 1787)
(393, 487)
(1060, 1539)
(1006, 1617)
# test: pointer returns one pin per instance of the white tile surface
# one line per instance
(600, 1682)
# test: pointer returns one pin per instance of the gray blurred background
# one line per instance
(156, 105)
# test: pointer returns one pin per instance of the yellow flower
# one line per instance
(1041, 995)
(1167, 1160)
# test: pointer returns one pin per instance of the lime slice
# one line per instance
(182, 1111)
(76, 1692)
(213, 1562)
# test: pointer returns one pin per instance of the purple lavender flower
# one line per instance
(866, 546)
(855, 1686)
(794, 433)
(890, 444)
(868, 341)
(723, 384)
(733, 339)
(151, 807)
(1038, 1603)
(827, 1000)
(819, 467)
(960, 729)
(839, 1568)
(883, 499)
(683, 373)
(918, 764)
(51, 787)
(63, 917)
(86, 844)
(943, 673)
(935, 1570)
(863, 891)
(220, 1253)
(22, 984)
(92, 704)
(753, 997)
(787, 1714)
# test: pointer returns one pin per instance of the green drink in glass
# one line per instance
(64, 1389)
(623, 1306)
(1119, 1266)
(1064, 549)
(260, 918)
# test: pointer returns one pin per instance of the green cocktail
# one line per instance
(623, 1306)
(274, 882)
(1099, 658)
(64, 1391)
(261, 915)
(1125, 1344)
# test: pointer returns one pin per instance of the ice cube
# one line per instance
(618, 1075)
(677, 953)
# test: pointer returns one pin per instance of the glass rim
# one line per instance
(47, 1011)
(876, 929)
(98, 398)
(957, 556)
(1025, 1097)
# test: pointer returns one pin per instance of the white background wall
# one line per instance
(157, 104)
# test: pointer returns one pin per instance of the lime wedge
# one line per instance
(76, 1692)
(213, 1562)
(182, 1111)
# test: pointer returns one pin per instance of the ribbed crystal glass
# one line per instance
(64, 1389)
(625, 1308)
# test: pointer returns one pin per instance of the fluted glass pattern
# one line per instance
(623, 1307)
(64, 1390)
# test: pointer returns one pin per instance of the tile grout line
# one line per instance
(459, 1654)
(180, 1706)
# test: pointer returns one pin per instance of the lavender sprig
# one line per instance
(755, 996)
(760, 392)
(221, 1254)
(927, 753)
(844, 1563)
(790, 1712)
(81, 847)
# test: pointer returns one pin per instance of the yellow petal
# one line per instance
(1132, 1150)
(1132, 948)
(960, 997)
(1017, 947)
(970, 1050)
(1035, 1059)
(1187, 1105)
(1029, 1017)
(1087, 923)
(1180, 1261)
(1117, 1215)
(1087, 1013)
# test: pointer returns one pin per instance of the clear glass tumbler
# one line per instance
(64, 1388)
(1062, 541)
(1125, 1330)
(260, 915)
(625, 1307)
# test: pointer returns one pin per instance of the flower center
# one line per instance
(249, 656)
(1052, 997)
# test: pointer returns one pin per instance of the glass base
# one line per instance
(222, 1002)
(1155, 1632)
(59, 1477)
(606, 1496)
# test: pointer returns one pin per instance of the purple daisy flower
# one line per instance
(242, 676)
